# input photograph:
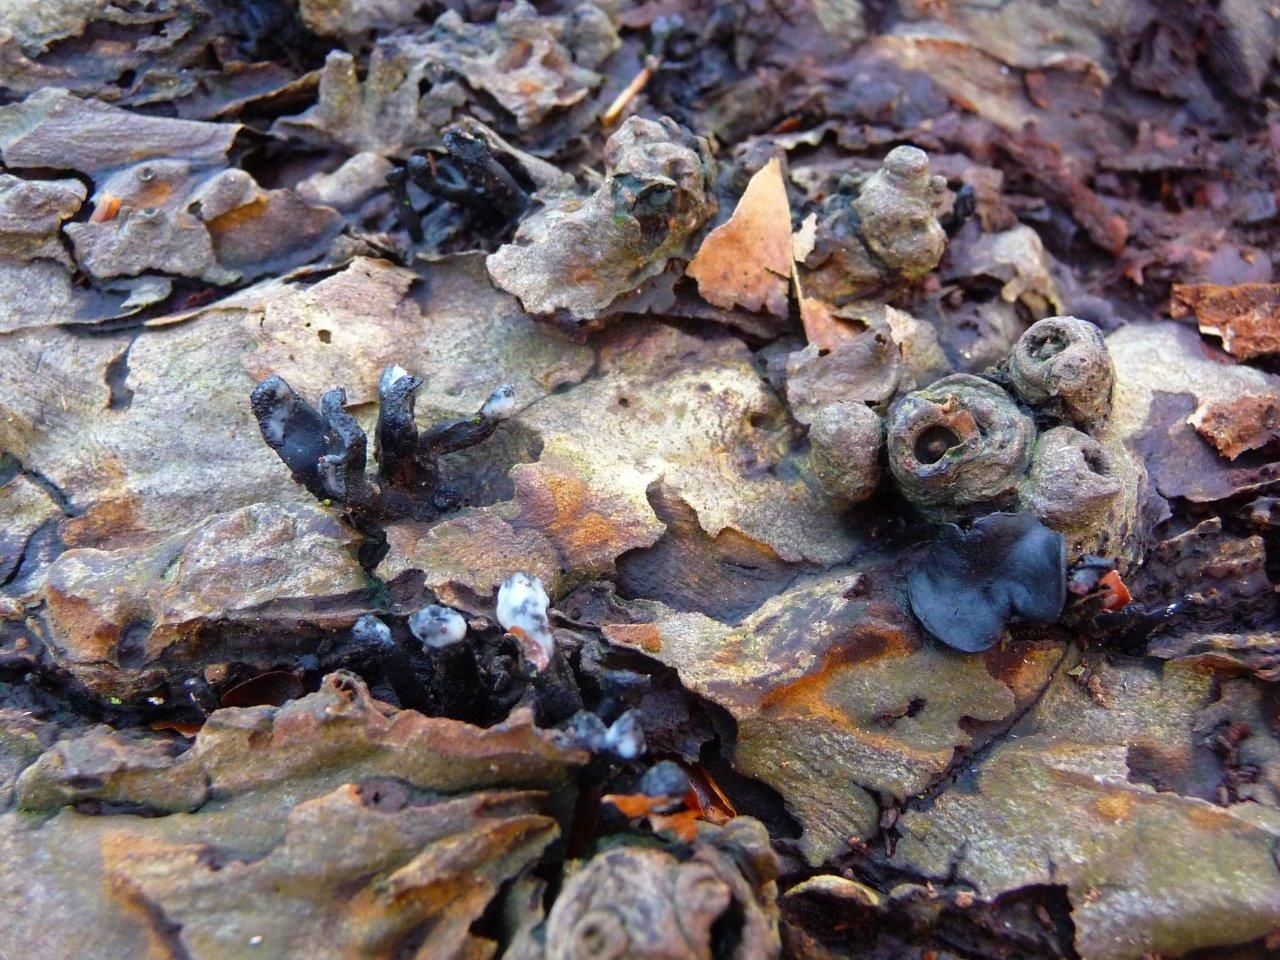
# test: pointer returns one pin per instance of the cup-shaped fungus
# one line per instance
(958, 444)
(898, 206)
(844, 441)
(1073, 479)
(1062, 363)
(970, 583)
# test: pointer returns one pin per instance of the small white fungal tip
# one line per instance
(522, 611)
(369, 629)
(501, 403)
(625, 737)
(389, 376)
(438, 627)
(273, 427)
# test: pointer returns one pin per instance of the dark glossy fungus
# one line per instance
(970, 583)
(326, 450)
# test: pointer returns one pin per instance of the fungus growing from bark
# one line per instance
(622, 739)
(845, 440)
(898, 207)
(1063, 364)
(970, 583)
(522, 611)
(371, 631)
(326, 450)
(455, 679)
(877, 232)
(1072, 480)
(958, 444)
(436, 626)
(666, 778)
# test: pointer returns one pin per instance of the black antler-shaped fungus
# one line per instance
(970, 583)
(327, 450)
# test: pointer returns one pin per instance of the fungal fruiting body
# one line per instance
(326, 450)
(970, 583)
(436, 626)
(372, 631)
(522, 612)
(959, 445)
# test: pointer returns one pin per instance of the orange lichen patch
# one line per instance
(1114, 806)
(589, 530)
(1023, 667)
(238, 218)
(728, 653)
(1211, 818)
(113, 520)
(114, 517)
(1246, 316)
(89, 631)
(1118, 595)
(154, 193)
(177, 726)
(1238, 425)
(876, 641)
(807, 694)
(106, 209)
(643, 636)
(746, 261)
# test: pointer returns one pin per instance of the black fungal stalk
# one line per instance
(326, 450)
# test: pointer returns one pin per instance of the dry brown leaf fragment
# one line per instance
(1245, 316)
(684, 825)
(822, 327)
(746, 261)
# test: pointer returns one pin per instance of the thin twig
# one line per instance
(638, 83)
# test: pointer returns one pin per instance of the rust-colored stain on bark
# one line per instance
(644, 636)
(238, 218)
(1114, 806)
(1246, 316)
(565, 509)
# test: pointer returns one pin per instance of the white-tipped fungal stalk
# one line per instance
(372, 631)
(389, 376)
(437, 627)
(625, 737)
(501, 404)
(522, 611)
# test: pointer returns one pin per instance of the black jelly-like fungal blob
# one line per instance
(970, 583)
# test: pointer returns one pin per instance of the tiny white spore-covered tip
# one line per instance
(522, 611)
(389, 376)
(372, 631)
(501, 403)
(437, 627)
